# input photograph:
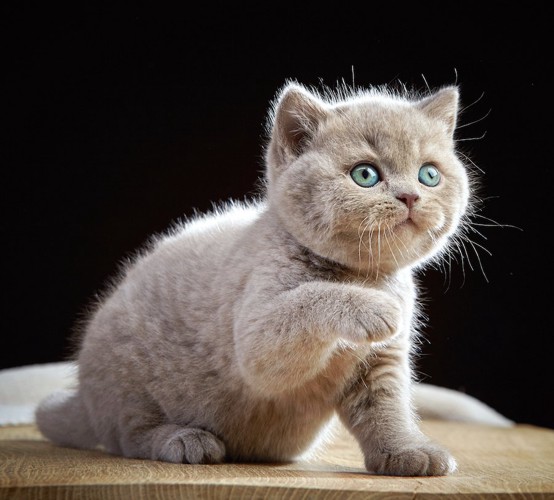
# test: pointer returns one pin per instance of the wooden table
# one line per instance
(493, 463)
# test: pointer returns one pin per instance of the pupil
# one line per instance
(365, 173)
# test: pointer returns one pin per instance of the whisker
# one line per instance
(494, 223)
(368, 246)
(370, 259)
(449, 274)
(474, 121)
(473, 244)
(470, 226)
(458, 242)
(471, 161)
(426, 84)
(474, 102)
(472, 138)
(378, 249)
(408, 250)
(387, 229)
(360, 241)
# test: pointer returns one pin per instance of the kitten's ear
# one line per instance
(297, 113)
(442, 105)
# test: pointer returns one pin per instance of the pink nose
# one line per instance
(408, 199)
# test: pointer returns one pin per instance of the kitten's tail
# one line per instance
(63, 419)
(433, 402)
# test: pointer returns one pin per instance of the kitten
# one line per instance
(240, 334)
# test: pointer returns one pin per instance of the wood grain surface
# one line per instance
(493, 463)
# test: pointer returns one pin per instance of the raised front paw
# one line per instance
(187, 445)
(424, 459)
(374, 317)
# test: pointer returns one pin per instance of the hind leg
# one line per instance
(143, 434)
(173, 443)
(132, 424)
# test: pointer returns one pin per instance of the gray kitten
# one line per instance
(240, 334)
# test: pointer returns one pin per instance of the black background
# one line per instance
(122, 120)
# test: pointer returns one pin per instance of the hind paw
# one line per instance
(187, 445)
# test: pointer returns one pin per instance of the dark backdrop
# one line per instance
(122, 120)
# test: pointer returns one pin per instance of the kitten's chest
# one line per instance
(328, 386)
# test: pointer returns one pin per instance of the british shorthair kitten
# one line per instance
(240, 334)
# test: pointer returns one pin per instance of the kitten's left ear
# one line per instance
(442, 105)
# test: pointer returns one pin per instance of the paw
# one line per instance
(189, 446)
(424, 459)
(374, 317)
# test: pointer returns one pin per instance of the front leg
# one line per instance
(376, 408)
(283, 340)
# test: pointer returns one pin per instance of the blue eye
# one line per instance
(429, 175)
(365, 175)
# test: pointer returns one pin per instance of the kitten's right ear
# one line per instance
(296, 116)
(443, 105)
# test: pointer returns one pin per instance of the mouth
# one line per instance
(405, 222)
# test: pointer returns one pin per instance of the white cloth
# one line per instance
(23, 387)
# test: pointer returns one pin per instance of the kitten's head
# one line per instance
(368, 179)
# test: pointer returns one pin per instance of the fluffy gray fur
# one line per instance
(240, 334)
